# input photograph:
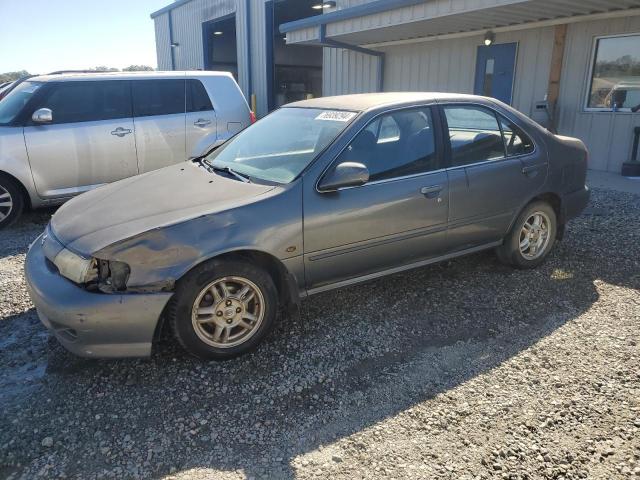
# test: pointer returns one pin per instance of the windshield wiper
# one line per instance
(230, 171)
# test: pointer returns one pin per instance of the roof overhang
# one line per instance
(383, 21)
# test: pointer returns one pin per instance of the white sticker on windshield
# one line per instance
(336, 115)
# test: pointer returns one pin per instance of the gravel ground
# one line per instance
(462, 370)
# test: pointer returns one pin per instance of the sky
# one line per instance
(46, 35)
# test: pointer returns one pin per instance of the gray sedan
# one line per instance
(318, 195)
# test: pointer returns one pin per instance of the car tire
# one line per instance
(212, 319)
(11, 201)
(531, 238)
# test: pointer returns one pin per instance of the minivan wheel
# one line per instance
(531, 238)
(11, 201)
(223, 308)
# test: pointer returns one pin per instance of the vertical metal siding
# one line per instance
(259, 56)
(442, 65)
(163, 42)
(346, 71)
(608, 135)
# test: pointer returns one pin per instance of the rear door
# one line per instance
(159, 107)
(89, 142)
(201, 125)
(494, 169)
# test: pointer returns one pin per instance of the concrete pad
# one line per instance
(613, 181)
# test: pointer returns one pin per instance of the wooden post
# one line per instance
(557, 58)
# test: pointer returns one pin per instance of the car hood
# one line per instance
(126, 208)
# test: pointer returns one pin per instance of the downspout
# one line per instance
(248, 37)
(329, 42)
(171, 47)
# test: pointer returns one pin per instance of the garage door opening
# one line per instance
(294, 72)
(220, 48)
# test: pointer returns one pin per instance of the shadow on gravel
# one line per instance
(353, 358)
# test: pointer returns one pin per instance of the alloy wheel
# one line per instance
(228, 312)
(534, 235)
(6, 203)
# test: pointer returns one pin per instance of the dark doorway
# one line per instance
(294, 72)
(495, 67)
(220, 48)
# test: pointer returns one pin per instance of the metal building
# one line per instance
(573, 65)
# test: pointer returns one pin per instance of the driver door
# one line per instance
(89, 142)
(397, 218)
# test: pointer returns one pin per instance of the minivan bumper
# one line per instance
(91, 324)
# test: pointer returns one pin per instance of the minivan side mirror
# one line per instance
(42, 115)
(345, 174)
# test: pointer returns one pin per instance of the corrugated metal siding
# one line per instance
(346, 71)
(608, 135)
(442, 65)
(187, 23)
(163, 42)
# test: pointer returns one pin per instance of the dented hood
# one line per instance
(123, 209)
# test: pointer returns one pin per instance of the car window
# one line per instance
(73, 102)
(516, 142)
(281, 145)
(395, 145)
(197, 97)
(16, 100)
(158, 97)
(474, 135)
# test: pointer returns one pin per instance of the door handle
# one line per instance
(531, 170)
(431, 192)
(121, 132)
(201, 122)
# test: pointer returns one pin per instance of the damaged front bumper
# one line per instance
(92, 324)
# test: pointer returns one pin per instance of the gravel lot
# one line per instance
(463, 370)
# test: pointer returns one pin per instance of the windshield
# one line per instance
(17, 98)
(280, 146)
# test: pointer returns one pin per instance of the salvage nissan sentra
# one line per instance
(319, 194)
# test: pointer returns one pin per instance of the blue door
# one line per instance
(495, 66)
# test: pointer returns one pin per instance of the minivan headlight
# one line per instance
(74, 267)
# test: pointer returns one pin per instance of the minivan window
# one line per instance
(158, 97)
(73, 102)
(281, 145)
(197, 98)
(474, 134)
(395, 145)
(14, 102)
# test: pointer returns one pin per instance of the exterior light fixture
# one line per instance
(175, 44)
(328, 4)
(489, 38)
(217, 33)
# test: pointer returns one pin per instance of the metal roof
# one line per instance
(391, 20)
(127, 75)
(175, 4)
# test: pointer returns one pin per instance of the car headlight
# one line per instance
(74, 267)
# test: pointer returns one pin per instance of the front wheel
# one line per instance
(11, 201)
(223, 308)
(531, 238)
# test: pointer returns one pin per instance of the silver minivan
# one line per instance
(61, 135)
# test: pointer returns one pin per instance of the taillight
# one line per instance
(252, 116)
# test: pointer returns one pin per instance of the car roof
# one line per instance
(77, 76)
(367, 101)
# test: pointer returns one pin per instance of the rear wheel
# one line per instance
(223, 309)
(531, 238)
(11, 201)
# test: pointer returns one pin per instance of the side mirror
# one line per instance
(346, 174)
(42, 115)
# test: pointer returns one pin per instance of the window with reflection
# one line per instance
(615, 78)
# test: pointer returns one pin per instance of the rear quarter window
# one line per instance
(197, 97)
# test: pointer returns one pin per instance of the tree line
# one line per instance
(11, 76)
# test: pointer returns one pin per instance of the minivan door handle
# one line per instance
(121, 132)
(201, 122)
(431, 192)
